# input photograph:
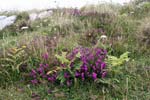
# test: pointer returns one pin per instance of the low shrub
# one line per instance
(143, 36)
(82, 64)
(10, 65)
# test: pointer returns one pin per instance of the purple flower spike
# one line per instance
(99, 60)
(103, 65)
(82, 76)
(66, 75)
(94, 68)
(71, 65)
(45, 56)
(51, 79)
(46, 65)
(104, 74)
(85, 68)
(68, 82)
(88, 74)
(40, 70)
(105, 52)
(44, 76)
(97, 64)
(77, 74)
(33, 71)
(94, 75)
(34, 81)
(41, 65)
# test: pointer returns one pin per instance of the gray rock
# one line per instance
(2, 17)
(33, 16)
(45, 14)
(41, 15)
(6, 21)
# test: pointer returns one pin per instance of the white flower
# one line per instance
(103, 37)
(24, 27)
(55, 37)
(131, 12)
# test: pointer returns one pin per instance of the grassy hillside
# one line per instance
(122, 31)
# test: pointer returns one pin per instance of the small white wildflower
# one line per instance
(55, 37)
(103, 37)
(24, 27)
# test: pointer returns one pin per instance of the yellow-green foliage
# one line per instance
(14, 59)
(114, 61)
(62, 58)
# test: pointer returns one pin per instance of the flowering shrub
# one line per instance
(93, 64)
(82, 64)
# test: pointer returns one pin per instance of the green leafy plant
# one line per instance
(62, 70)
(114, 61)
(11, 64)
(62, 58)
(15, 58)
(115, 69)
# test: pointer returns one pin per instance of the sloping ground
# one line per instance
(105, 26)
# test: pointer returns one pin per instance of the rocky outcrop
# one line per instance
(6, 21)
(41, 15)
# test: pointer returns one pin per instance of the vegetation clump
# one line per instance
(96, 52)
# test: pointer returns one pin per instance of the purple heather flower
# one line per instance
(104, 74)
(46, 66)
(84, 61)
(71, 65)
(45, 56)
(40, 70)
(84, 68)
(66, 75)
(77, 74)
(76, 12)
(51, 79)
(94, 68)
(97, 63)
(98, 51)
(91, 57)
(76, 50)
(44, 76)
(33, 71)
(55, 75)
(94, 75)
(41, 65)
(68, 82)
(103, 65)
(63, 65)
(82, 76)
(105, 51)
(34, 76)
(99, 60)
(34, 81)
(88, 74)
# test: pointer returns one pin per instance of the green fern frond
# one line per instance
(114, 61)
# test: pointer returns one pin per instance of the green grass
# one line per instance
(133, 85)
(60, 32)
